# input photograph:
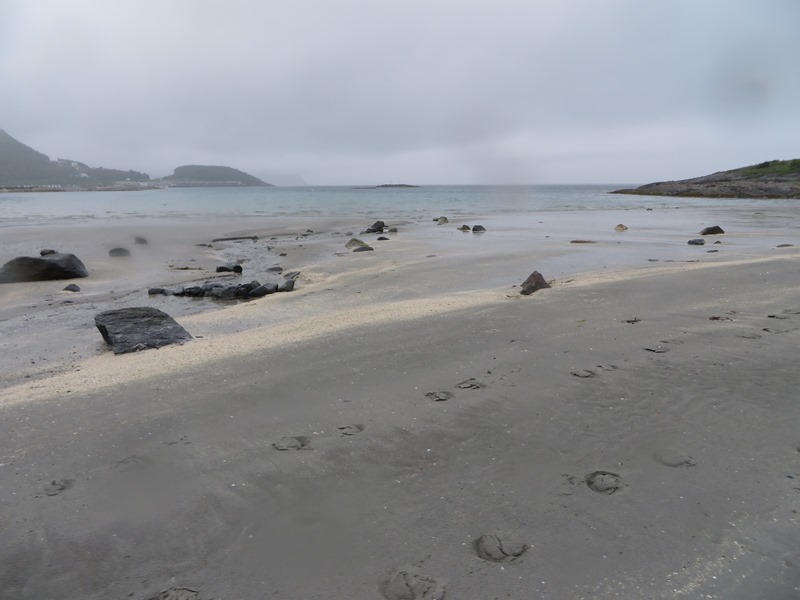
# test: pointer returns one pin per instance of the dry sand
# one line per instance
(633, 431)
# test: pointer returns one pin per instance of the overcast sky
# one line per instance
(434, 91)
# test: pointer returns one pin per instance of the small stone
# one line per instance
(47, 251)
(229, 268)
(534, 282)
(697, 242)
(621, 227)
(713, 230)
(119, 252)
(363, 249)
(140, 240)
(442, 221)
(72, 288)
(478, 229)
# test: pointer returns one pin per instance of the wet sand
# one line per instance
(629, 433)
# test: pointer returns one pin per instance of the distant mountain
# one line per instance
(22, 166)
(211, 176)
(771, 179)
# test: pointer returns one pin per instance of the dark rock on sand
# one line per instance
(275, 270)
(263, 290)
(582, 242)
(291, 275)
(157, 291)
(534, 282)
(140, 240)
(604, 482)
(621, 227)
(391, 230)
(119, 252)
(42, 268)
(478, 229)
(72, 288)
(714, 230)
(499, 547)
(363, 249)
(138, 328)
(47, 251)
(287, 286)
(229, 268)
(784, 245)
(696, 242)
(408, 583)
(442, 221)
(376, 227)
(383, 238)
(465, 228)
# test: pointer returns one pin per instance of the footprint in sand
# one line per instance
(499, 547)
(585, 373)
(750, 336)
(674, 459)
(132, 463)
(657, 349)
(471, 384)
(439, 396)
(56, 487)
(408, 583)
(351, 429)
(604, 482)
(176, 593)
(292, 443)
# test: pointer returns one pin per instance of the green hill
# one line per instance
(770, 179)
(211, 176)
(22, 166)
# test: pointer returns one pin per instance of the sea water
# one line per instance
(408, 203)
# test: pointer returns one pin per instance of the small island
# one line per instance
(770, 179)
(211, 176)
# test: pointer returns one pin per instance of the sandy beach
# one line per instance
(629, 433)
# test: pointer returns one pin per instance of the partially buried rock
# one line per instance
(442, 221)
(478, 229)
(229, 268)
(363, 249)
(383, 238)
(714, 230)
(534, 282)
(697, 242)
(44, 268)
(47, 251)
(292, 443)
(140, 240)
(263, 290)
(72, 288)
(139, 328)
(620, 227)
(354, 243)
(408, 583)
(499, 547)
(582, 242)
(177, 593)
(603, 482)
(119, 252)
(465, 228)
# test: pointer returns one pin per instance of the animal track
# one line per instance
(56, 487)
(292, 443)
(674, 460)
(499, 547)
(439, 396)
(176, 593)
(407, 583)
(351, 429)
(471, 384)
(604, 482)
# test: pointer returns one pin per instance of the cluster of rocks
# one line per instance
(222, 291)
(713, 230)
(473, 229)
(379, 227)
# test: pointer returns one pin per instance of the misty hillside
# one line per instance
(210, 176)
(22, 166)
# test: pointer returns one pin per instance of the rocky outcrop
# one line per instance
(42, 268)
(771, 179)
(139, 328)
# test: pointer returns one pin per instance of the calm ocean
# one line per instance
(391, 203)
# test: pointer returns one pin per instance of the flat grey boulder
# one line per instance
(42, 268)
(139, 328)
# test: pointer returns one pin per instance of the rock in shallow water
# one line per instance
(42, 268)
(139, 328)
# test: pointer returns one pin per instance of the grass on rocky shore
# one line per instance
(772, 167)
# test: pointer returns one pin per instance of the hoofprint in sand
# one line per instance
(293, 449)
